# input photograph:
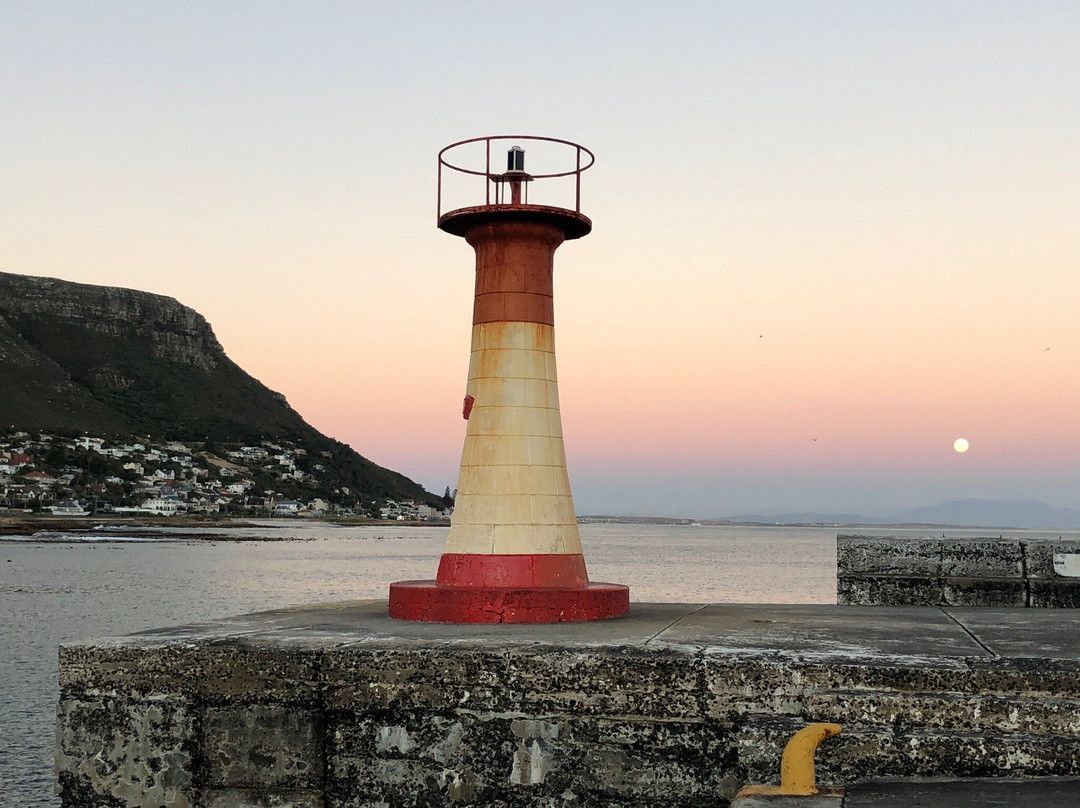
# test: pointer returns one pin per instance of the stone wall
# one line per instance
(678, 705)
(891, 571)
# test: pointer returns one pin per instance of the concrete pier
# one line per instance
(337, 705)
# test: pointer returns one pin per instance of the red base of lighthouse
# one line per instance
(433, 602)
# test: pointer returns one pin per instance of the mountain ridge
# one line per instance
(101, 360)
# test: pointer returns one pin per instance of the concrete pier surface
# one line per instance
(681, 704)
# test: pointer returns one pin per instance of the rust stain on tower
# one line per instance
(514, 552)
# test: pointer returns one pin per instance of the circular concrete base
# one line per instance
(437, 603)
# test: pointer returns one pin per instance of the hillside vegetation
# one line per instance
(95, 360)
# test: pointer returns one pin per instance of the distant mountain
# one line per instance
(805, 518)
(957, 512)
(993, 513)
(103, 361)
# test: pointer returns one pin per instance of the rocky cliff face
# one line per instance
(172, 331)
(106, 361)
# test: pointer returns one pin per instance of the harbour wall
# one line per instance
(1011, 573)
(337, 706)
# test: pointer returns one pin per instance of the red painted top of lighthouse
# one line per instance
(506, 194)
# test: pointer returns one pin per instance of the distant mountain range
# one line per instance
(995, 513)
(102, 361)
(955, 513)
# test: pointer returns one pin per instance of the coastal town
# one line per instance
(87, 475)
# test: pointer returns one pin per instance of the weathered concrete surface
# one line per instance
(1046, 792)
(785, 801)
(890, 571)
(679, 704)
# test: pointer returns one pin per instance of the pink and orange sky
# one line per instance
(851, 222)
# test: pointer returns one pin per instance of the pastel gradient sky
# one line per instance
(851, 221)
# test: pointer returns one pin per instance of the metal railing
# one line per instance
(498, 179)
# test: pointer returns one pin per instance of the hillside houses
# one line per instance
(408, 511)
(144, 477)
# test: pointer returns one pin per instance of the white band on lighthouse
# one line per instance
(513, 490)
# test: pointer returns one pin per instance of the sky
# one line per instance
(829, 238)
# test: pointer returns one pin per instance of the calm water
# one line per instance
(60, 590)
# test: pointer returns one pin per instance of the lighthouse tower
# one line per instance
(514, 553)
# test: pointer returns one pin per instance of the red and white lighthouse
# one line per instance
(514, 552)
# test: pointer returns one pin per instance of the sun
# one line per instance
(960, 445)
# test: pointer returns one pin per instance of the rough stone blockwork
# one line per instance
(889, 571)
(678, 705)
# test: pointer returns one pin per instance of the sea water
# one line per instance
(58, 588)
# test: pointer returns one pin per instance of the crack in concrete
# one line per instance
(970, 633)
(675, 622)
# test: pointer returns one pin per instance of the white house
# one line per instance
(425, 512)
(287, 507)
(163, 506)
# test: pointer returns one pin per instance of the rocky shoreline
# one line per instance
(26, 525)
(129, 527)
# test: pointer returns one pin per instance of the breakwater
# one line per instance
(59, 589)
(338, 705)
(972, 571)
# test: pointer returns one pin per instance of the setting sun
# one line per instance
(960, 445)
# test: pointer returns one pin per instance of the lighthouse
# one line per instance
(514, 552)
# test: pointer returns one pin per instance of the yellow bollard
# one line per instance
(797, 764)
